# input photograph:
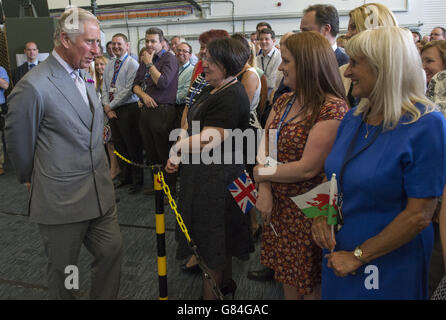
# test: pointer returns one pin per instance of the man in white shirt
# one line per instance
(260, 26)
(121, 107)
(269, 59)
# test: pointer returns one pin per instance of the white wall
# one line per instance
(434, 15)
(247, 13)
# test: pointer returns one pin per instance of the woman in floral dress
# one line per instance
(303, 126)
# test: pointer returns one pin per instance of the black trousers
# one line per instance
(127, 141)
(179, 109)
(155, 125)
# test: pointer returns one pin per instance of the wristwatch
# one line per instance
(358, 254)
(149, 65)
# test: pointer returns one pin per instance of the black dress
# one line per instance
(214, 221)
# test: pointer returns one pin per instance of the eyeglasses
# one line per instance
(182, 51)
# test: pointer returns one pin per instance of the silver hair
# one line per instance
(72, 23)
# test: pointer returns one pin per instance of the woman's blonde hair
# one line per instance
(252, 61)
(368, 12)
(98, 78)
(400, 81)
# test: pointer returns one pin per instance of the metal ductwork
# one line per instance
(94, 5)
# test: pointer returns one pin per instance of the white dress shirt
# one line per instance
(270, 65)
(74, 74)
(124, 82)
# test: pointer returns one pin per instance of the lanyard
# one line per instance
(197, 89)
(272, 56)
(182, 70)
(349, 155)
(115, 77)
(287, 110)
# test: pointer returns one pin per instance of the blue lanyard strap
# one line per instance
(285, 114)
(271, 58)
(200, 86)
(182, 69)
(115, 77)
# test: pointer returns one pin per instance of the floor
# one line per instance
(23, 262)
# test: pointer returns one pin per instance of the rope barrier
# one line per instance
(160, 184)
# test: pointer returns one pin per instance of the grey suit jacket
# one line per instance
(56, 141)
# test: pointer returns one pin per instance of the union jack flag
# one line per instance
(244, 192)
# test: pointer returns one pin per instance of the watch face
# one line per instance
(358, 252)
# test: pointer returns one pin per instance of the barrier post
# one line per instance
(160, 234)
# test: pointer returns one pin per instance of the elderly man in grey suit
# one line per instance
(54, 134)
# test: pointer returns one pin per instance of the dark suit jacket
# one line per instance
(19, 72)
(341, 56)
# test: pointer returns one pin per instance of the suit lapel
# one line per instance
(91, 93)
(65, 84)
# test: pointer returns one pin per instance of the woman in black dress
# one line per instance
(215, 222)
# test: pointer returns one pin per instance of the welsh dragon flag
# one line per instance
(320, 201)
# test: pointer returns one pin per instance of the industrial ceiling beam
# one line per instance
(132, 4)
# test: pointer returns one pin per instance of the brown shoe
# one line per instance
(2, 172)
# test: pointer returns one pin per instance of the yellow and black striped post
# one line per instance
(160, 234)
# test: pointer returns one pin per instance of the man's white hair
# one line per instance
(72, 23)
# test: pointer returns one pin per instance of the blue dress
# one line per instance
(406, 162)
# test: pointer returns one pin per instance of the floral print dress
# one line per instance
(293, 255)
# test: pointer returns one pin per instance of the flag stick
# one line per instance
(333, 194)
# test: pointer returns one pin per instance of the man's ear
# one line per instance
(326, 30)
(65, 40)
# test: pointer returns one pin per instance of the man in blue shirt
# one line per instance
(31, 52)
(4, 84)
(121, 107)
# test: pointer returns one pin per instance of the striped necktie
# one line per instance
(115, 75)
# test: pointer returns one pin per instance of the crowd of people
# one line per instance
(368, 106)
